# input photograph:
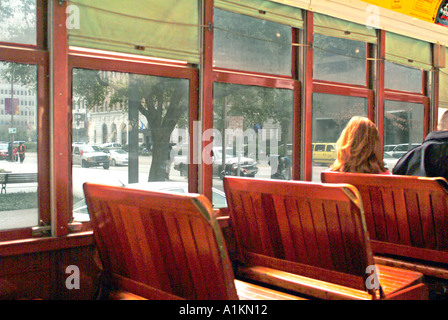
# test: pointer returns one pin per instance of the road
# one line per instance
(113, 176)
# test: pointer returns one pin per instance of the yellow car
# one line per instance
(324, 153)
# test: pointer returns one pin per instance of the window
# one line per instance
(403, 78)
(339, 60)
(152, 113)
(18, 202)
(18, 21)
(253, 125)
(250, 44)
(331, 113)
(403, 122)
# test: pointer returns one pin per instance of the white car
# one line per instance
(80, 212)
(111, 145)
(248, 166)
(118, 157)
(389, 161)
(401, 149)
(90, 156)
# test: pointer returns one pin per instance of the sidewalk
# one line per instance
(18, 219)
(29, 165)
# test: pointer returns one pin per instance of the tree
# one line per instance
(18, 21)
(162, 101)
(257, 105)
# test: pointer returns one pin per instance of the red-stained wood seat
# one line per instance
(312, 239)
(155, 245)
(407, 217)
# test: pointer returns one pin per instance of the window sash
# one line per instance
(408, 51)
(166, 29)
(265, 10)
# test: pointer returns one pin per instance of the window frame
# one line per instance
(330, 87)
(136, 65)
(37, 55)
(249, 78)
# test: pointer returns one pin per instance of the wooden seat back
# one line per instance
(405, 215)
(309, 229)
(169, 244)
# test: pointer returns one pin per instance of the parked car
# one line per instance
(247, 166)
(389, 147)
(118, 157)
(180, 159)
(4, 155)
(80, 212)
(401, 149)
(324, 153)
(219, 197)
(389, 161)
(111, 145)
(90, 156)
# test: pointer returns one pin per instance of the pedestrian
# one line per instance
(22, 150)
(10, 149)
(15, 154)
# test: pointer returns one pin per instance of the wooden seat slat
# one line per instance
(157, 245)
(416, 217)
(318, 233)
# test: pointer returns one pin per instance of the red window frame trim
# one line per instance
(122, 63)
(35, 55)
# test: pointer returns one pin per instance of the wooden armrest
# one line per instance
(124, 295)
(250, 291)
(426, 269)
(301, 285)
(396, 283)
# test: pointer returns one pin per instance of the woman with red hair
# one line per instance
(359, 148)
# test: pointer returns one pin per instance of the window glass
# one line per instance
(250, 44)
(403, 78)
(331, 113)
(254, 124)
(339, 60)
(18, 21)
(403, 126)
(128, 129)
(18, 146)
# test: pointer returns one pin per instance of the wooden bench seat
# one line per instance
(311, 239)
(407, 217)
(155, 245)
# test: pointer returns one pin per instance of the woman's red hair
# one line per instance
(359, 148)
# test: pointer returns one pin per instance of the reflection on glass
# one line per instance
(254, 127)
(339, 60)
(18, 145)
(128, 129)
(18, 21)
(403, 78)
(403, 126)
(331, 114)
(250, 44)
